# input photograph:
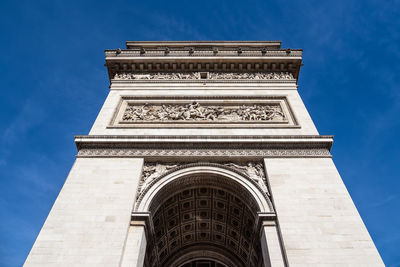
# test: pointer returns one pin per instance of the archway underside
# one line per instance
(207, 221)
(203, 263)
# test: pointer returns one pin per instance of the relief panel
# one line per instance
(208, 112)
(204, 75)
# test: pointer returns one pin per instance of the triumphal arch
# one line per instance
(203, 154)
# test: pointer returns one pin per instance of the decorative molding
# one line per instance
(185, 52)
(219, 148)
(192, 138)
(201, 81)
(190, 147)
(227, 57)
(253, 171)
(260, 153)
(204, 76)
(196, 112)
(153, 172)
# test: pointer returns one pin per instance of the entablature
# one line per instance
(203, 44)
(204, 147)
(218, 57)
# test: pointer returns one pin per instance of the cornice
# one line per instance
(269, 44)
(203, 146)
(203, 56)
(191, 138)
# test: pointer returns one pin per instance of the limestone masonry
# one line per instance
(203, 154)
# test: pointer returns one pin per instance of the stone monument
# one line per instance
(203, 154)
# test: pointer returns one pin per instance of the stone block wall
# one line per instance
(319, 223)
(89, 221)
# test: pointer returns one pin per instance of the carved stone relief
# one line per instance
(197, 112)
(204, 112)
(211, 76)
(254, 171)
(152, 171)
(251, 76)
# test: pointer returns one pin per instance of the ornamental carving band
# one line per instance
(210, 76)
(254, 171)
(196, 112)
(153, 171)
(134, 152)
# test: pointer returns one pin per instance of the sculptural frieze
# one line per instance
(209, 113)
(254, 171)
(210, 76)
(251, 76)
(152, 171)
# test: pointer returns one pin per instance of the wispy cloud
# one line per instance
(381, 202)
(30, 114)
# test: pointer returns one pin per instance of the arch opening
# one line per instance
(203, 263)
(203, 218)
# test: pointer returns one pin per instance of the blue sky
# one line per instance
(53, 83)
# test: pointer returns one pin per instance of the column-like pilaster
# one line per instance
(270, 241)
(317, 218)
(89, 221)
(136, 242)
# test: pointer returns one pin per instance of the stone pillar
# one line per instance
(270, 241)
(136, 242)
(89, 221)
(317, 218)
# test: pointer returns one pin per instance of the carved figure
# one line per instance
(150, 172)
(254, 172)
(196, 112)
(211, 76)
